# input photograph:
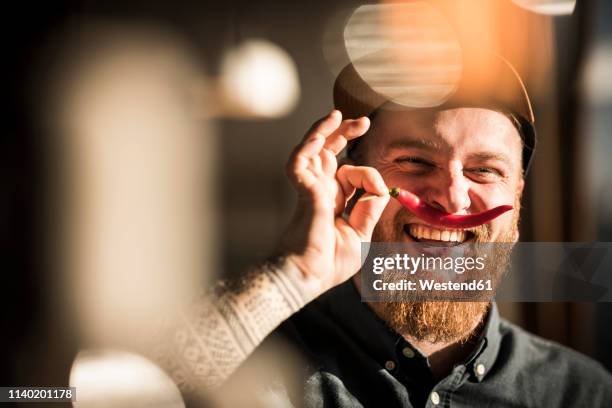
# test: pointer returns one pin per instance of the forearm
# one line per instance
(213, 336)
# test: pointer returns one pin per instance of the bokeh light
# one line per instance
(407, 52)
(258, 79)
(548, 7)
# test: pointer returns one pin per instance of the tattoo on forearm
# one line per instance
(214, 335)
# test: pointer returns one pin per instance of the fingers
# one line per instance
(337, 131)
(367, 178)
(325, 139)
(334, 143)
(369, 207)
(349, 129)
(329, 164)
(305, 164)
(366, 213)
(324, 126)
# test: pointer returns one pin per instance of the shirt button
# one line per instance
(390, 365)
(480, 369)
(407, 352)
(435, 398)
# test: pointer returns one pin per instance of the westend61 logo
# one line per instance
(506, 271)
(400, 272)
(412, 264)
(436, 273)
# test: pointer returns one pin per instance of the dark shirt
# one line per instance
(354, 359)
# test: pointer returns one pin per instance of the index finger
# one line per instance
(324, 126)
(349, 129)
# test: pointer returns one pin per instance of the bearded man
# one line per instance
(466, 156)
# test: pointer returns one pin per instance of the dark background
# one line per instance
(560, 205)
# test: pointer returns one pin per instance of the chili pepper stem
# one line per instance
(394, 192)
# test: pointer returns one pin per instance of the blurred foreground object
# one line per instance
(136, 204)
(136, 180)
(105, 378)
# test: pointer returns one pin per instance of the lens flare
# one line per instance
(407, 52)
(548, 7)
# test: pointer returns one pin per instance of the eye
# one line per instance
(485, 170)
(414, 165)
(413, 160)
(485, 173)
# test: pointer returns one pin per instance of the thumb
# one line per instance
(366, 213)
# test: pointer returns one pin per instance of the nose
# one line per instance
(451, 192)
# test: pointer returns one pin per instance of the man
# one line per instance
(464, 157)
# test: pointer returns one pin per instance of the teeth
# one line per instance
(425, 232)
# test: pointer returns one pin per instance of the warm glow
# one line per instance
(548, 7)
(105, 378)
(407, 52)
(258, 79)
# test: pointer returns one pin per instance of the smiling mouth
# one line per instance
(438, 236)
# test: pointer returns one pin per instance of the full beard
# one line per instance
(441, 321)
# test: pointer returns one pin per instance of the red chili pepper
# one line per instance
(441, 218)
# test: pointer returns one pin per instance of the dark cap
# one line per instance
(501, 89)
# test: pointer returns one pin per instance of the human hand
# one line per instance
(324, 246)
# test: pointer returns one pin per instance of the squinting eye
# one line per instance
(413, 160)
(485, 172)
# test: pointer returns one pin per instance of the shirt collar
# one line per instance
(381, 342)
(483, 358)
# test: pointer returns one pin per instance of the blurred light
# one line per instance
(596, 78)
(258, 79)
(406, 52)
(548, 7)
(119, 379)
(597, 119)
